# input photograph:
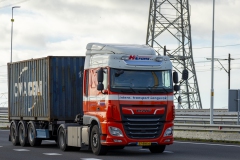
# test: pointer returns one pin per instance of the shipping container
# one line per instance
(47, 89)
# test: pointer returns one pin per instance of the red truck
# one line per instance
(117, 95)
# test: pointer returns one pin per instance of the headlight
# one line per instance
(114, 131)
(168, 132)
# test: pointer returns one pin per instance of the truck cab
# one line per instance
(127, 97)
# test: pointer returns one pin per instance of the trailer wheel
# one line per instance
(33, 141)
(14, 133)
(22, 131)
(62, 140)
(97, 147)
(157, 149)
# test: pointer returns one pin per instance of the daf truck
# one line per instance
(116, 95)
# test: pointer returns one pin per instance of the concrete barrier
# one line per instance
(207, 135)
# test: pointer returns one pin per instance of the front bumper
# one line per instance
(109, 140)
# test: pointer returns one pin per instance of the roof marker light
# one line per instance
(125, 58)
(159, 59)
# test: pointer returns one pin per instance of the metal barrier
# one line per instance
(207, 127)
(190, 124)
(197, 116)
(4, 117)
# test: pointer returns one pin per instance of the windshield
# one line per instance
(141, 81)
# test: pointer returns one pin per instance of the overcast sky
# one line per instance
(59, 27)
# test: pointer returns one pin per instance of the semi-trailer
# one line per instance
(117, 95)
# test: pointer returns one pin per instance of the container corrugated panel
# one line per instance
(47, 89)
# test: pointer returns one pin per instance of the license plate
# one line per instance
(144, 143)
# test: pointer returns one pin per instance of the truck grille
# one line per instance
(143, 126)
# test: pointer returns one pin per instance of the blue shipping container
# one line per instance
(48, 89)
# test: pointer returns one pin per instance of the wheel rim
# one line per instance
(31, 134)
(95, 140)
(21, 133)
(61, 142)
(13, 135)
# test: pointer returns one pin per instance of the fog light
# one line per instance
(117, 140)
(167, 140)
(114, 131)
(168, 132)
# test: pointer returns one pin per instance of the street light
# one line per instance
(212, 79)
(12, 20)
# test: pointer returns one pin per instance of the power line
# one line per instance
(219, 46)
(9, 5)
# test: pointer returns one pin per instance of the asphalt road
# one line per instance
(179, 150)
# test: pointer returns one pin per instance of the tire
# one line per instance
(14, 133)
(33, 141)
(97, 147)
(22, 132)
(62, 140)
(157, 149)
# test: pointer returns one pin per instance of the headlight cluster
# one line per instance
(114, 131)
(168, 132)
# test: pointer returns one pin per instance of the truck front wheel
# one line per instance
(97, 147)
(157, 149)
(62, 140)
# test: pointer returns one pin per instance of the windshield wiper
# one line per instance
(149, 90)
(157, 89)
(132, 89)
(128, 91)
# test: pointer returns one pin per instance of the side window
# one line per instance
(93, 78)
(166, 79)
(105, 78)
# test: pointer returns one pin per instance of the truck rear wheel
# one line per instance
(62, 140)
(97, 147)
(157, 149)
(22, 130)
(14, 133)
(33, 141)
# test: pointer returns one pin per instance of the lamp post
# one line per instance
(12, 20)
(212, 80)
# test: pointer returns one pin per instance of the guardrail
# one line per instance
(188, 116)
(190, 124)
(4, 117)
(197, 116)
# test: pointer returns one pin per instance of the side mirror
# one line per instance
(176, 87)
(175, 77)
(100, 75)
(179, 99)
(185, 74)
(100, 87)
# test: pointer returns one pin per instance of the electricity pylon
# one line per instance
(169, 24)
